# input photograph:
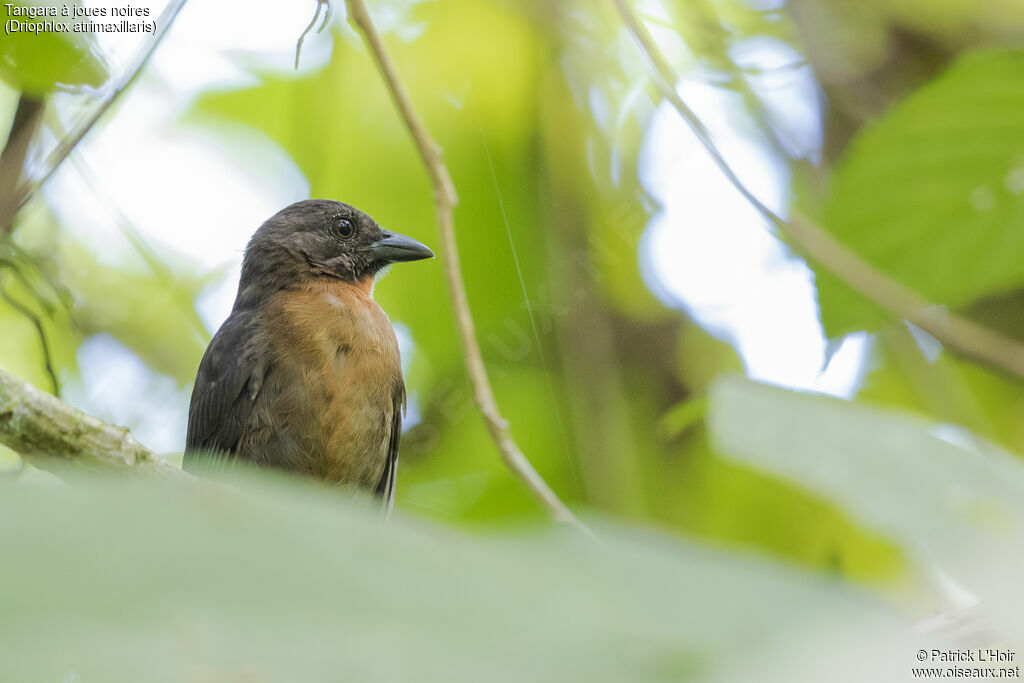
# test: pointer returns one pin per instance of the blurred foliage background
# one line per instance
(896, 126)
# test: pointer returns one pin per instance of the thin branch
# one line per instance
(955, 332)
(445, 200)
(12, 160)
(44, 342)
(14, 258)
(47, 431)
(316, 15)
(67, 145)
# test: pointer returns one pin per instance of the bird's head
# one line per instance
(322, 238)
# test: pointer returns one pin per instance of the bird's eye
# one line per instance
(344, 228)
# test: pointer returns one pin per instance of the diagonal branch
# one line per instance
(445, 201)
(12, 204)
(45, 430)
(972, 340)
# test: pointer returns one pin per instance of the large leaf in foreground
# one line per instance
(953, 501)
(112, 582)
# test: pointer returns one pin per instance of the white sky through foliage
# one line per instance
(710, 251)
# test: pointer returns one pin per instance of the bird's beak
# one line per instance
(395, 247)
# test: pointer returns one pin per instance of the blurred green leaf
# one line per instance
(21, 349)
(115, 582)
(958, 21)
(945, 388)
(682, 416)
(40, 63)
(933, 193)
(708, 494)
(948, 498)
(150, 314)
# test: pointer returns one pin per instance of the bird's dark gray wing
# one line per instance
(388, 482)
(227, 384)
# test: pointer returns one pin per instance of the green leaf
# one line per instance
(39, 63)
(933, 193)
(709, 495)
(951, 500)
(947, 388)
(110, 581)
(148, 312)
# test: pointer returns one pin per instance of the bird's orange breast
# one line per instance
(337, 346)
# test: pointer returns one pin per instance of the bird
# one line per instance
(304, 375)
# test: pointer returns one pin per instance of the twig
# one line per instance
(316, 15)
(44, 429)
(445, 200)
(969, 338)
(9, 262)
(14, 257)
(71, 140)
(40, 332)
